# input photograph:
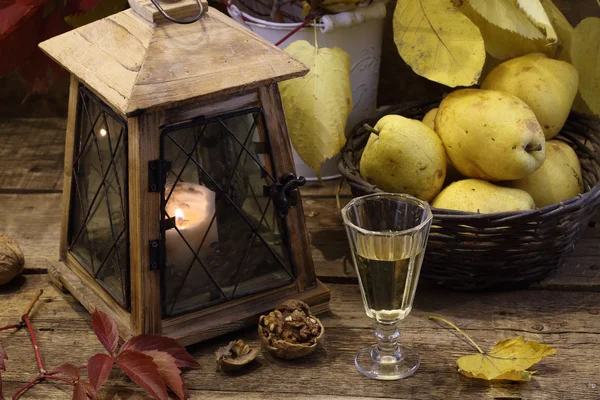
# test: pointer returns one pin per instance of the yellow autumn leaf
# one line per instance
(438, 41)
(503, 44)
(535, 12)
(506, 15)
(564, 30)
(318, 104)
(508, 360)
(585, 56)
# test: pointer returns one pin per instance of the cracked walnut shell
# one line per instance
(12, 260)
(235, 355)
(290, 330)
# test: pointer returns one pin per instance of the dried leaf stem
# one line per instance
(433, 317)
(43, 375)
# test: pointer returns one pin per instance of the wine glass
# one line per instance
(388, 235)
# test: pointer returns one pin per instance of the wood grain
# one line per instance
(128, 61)
(144, 222)
(571, 374)
(31, 154)
(71, 136)
(106, 55)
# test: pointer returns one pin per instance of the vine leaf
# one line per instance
(508, 360)
(99, 367)
(170, 374)
(503, 44)
(506, 15)
(106, 330)
(69, 370)
(83, 391)
(439, 42)
(585, 55)
(143, 371)
(534, 10)
(318, 104)
(145, 342)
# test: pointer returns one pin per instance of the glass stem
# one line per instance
(387, 339)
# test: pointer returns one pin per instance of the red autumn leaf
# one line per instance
(99, 367)
(142, 370)
(79, 392)
(69, 370)
(18, 45)
(89, 389)
(146, 342)
(106, 330)
(14, 15)
(170, 374)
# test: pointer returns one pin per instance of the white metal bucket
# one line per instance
(359, 33)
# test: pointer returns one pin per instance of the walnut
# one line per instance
(290, 330)
(235, 355)
(12, 260)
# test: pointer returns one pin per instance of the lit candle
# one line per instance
(102, 132)
(193, 207)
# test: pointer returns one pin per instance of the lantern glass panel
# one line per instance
(223, 238)
(99, 232)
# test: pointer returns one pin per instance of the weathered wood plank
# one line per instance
(567, 321)
(31, 154)
(33, 220)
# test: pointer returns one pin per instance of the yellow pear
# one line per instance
(548, 86)
(429, 118)
(451, 173)
(404, 156)
(490, 135)
(559, 177)
(482, 197)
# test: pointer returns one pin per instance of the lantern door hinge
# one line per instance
(158, 254)
(157, 174)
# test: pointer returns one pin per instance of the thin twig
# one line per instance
(36, 349)
(59, 378)
(433, 317)
(13, 326)
(24, 388)
(33, 301)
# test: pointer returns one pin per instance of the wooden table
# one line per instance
(562, 311)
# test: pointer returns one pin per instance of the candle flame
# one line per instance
(179, 216)
(102, 132)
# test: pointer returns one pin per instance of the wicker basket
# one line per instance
(469, 251)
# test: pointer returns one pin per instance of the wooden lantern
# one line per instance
(179, 177)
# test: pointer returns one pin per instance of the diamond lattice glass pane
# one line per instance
(222, 239)
(98, 235)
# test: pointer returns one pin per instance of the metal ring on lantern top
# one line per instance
(180, 21)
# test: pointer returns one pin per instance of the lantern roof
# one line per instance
(135, 65)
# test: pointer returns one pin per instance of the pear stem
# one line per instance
(369, 128)
(433, 317)
(533, 147)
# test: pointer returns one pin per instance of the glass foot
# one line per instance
(370, 362)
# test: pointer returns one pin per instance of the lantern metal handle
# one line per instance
(180, 21)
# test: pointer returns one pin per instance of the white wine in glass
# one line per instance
(388, 235)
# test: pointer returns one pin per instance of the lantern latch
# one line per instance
(285, 193)
(157, 174)
(158, 254)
